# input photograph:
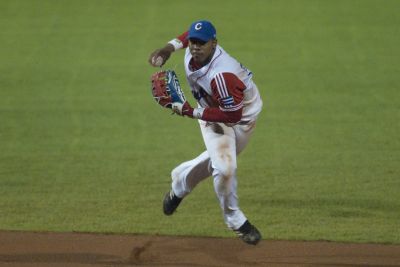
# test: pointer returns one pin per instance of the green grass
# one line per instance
(83, 146)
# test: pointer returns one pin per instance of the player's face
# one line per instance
(201, 51)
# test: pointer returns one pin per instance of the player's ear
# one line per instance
(214, 43)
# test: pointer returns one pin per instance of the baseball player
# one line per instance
(228, 103)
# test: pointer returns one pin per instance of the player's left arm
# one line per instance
(227, 91)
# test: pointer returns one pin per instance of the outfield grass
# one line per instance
(83, 146)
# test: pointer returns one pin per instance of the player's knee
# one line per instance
(175, 173)
(225, 166)
(225, 172)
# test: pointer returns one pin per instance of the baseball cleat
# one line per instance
(170, 203)
(248, 233)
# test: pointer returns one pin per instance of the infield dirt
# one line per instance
(27, 249)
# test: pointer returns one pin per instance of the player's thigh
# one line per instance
(220, 141)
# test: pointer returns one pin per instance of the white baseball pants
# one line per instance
(223, 144)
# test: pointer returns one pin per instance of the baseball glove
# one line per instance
(166, 89)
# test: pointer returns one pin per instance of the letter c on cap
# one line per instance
(198, 26)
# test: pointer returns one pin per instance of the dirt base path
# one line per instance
(24, 249)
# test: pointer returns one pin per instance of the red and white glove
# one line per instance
(167, 93)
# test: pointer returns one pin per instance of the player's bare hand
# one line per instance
(160, 56)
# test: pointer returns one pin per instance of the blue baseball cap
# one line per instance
(202, 30)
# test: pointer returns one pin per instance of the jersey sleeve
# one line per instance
(228, 89)
(181, 41)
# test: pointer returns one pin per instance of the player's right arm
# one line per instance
(165, 52)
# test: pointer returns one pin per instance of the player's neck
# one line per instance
(199, 65)
(209, 58)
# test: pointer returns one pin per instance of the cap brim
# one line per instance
(199, 36)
